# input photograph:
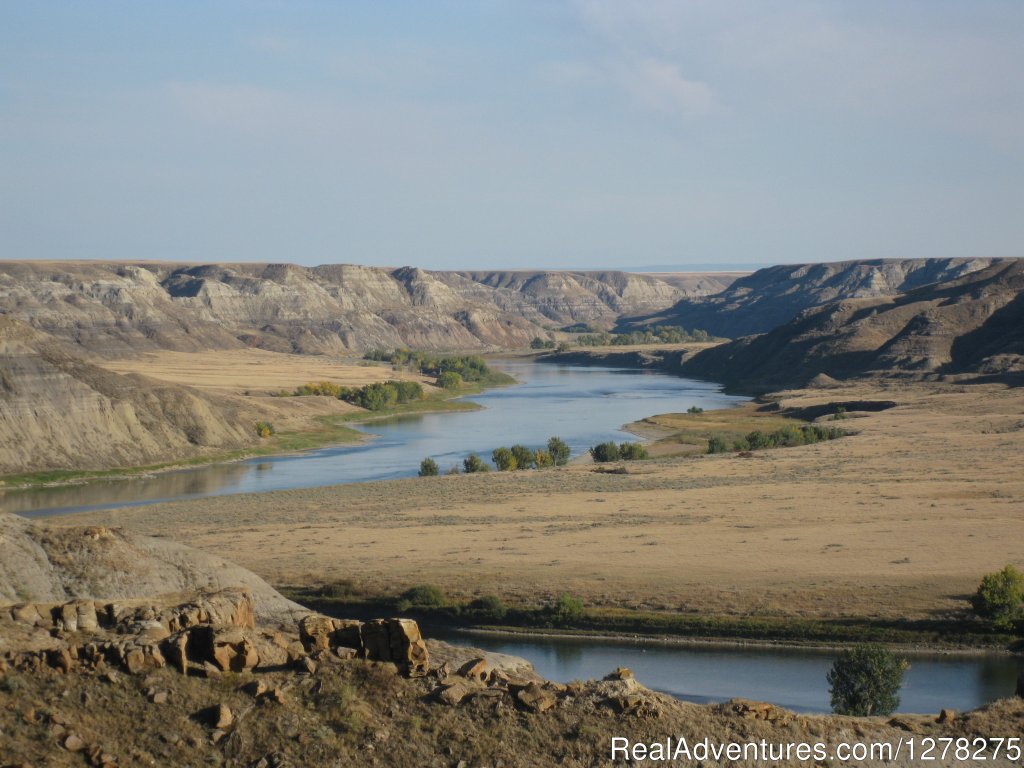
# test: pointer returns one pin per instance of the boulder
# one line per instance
(536, 698)
(27, 613)
(477, 670)
(316, 631)
(229, 650)
(452, 692)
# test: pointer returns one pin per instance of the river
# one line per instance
(582, 405)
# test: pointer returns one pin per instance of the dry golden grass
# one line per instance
(254, 370)
(900, 519)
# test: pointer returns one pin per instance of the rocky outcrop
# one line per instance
(769, 297)
(77, 566)
(395, 640)
(969, 326)
(115, 309)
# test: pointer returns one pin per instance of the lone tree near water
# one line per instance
(866, 680)
(1000, 598)
(428, 468)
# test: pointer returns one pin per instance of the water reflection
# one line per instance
(793, 678)
(582, 405)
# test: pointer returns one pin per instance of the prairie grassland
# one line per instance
(255, 370)
(899, 519)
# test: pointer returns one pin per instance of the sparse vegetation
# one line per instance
(866, 681)
(717, 444)
(1000, 598)
(471, 368)
(839, 415)
(428, 468)
(658, 334)
(788, 436)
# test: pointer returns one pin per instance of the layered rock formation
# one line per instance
(759, 302)
(115, 309)
(971, 325)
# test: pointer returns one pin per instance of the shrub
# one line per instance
(524, 456)
(866, 681)
(632, 451)
(503, 459)
(839, 415)
(449, 380)
(422, 596)
(428, 468)
(694, 409)
(717, 445)
(542, 459)
(474, 463)
(605, 452)
(453, 470)
(559, 451)
(567, 608)
(489, 607)
(1000, 598)
(264, 428)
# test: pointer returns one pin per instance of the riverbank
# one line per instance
(321, 431)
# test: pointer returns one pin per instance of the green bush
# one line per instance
(1000, 598)
(489, 607)
(603, 452)
(865, 681)
(428, 468)
(542, 459)
(422, 596)
(632, 451)
(559, 451)
(567, 608)
(503, 459)
(449, 380)
(474, 463)
(264, 428)
(524, 456)
(694, 409)
(718, 445)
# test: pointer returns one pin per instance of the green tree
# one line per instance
(489, 607)
(422, 596)
(503, 459)
(449, 380)
(542, 459)
(474, 463)
(428, 468)
(602, 452)
(695, 410)
(264, 428)
(559, 451)
(1000, 598)
(866, 680)
(524, 456)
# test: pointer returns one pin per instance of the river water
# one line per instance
(583, 406)
(790, 677)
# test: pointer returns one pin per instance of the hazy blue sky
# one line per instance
(512, 134)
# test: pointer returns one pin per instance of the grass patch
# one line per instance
(688, 433)
(581, 620)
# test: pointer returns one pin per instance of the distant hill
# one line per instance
(972, 324)
(758, 302)
(116, 309)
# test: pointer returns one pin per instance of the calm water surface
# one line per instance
(792, 678)
(582, 405)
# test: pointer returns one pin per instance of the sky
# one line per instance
(519, 134)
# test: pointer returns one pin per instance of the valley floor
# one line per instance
(900, 519)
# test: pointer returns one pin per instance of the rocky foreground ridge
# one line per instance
(123, 683)
(116, 309)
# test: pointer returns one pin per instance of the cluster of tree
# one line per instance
(780, 438)
(610, 451)
(264, 428)
(659, 334)
(469, 367)
(373, 397)
(539, 343)
(508, 459)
